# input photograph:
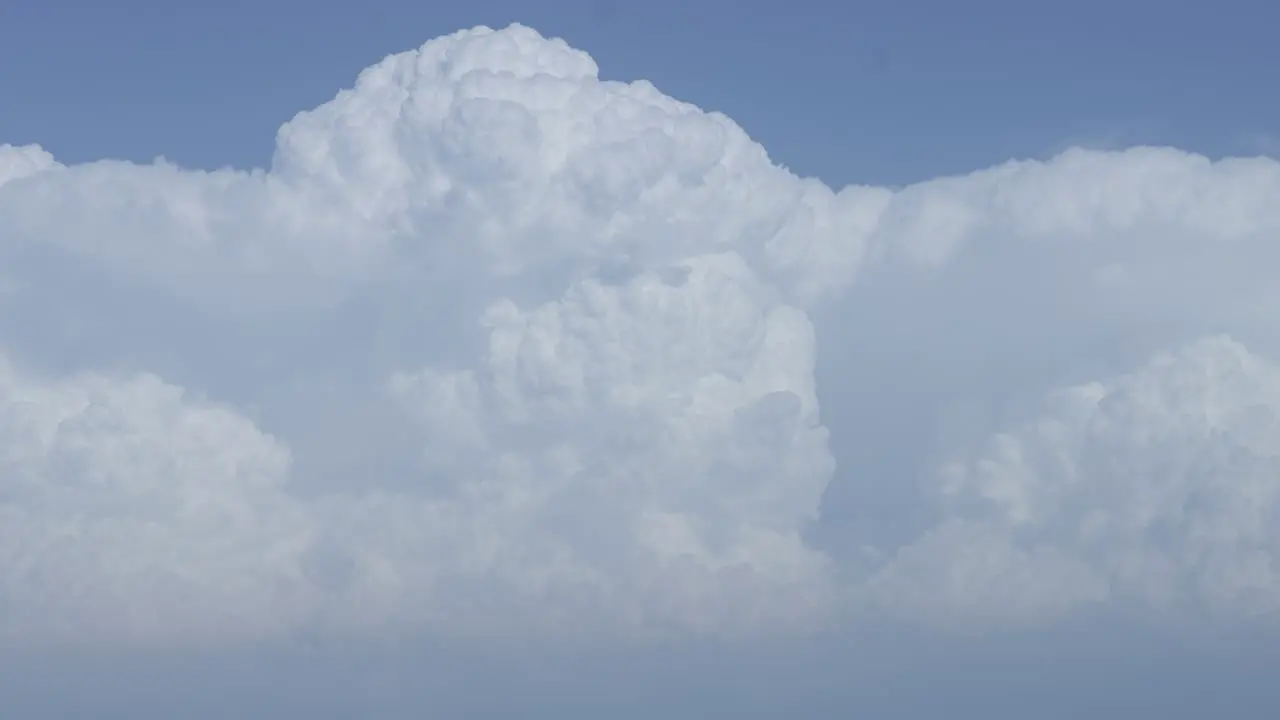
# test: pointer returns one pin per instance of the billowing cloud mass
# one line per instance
(497, 347)
(1159, 487)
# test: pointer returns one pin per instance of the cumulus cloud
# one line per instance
(130, 508)
(495, 345)
(1158, 489)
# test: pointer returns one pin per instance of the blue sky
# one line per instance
(879, 92)
(506, 393)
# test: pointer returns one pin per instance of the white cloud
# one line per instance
(19, 162)
(497, 346)
(1158, 489)
(128, 509)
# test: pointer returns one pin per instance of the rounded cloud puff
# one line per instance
(495, 346)
(1158, 489)
(132, 511)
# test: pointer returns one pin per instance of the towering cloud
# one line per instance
(495, 346)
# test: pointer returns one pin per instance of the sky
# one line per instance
(892, 92)
(634, 361)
